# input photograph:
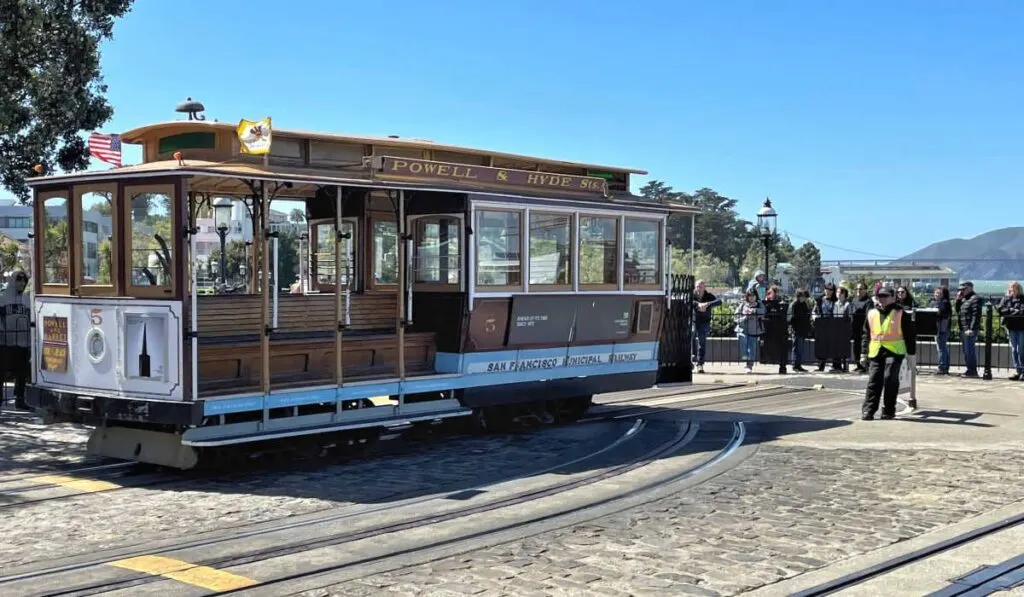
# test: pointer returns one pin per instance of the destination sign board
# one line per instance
(410, 168)
(55, 344)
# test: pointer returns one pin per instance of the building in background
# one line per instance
(919, 277)
(16, 223)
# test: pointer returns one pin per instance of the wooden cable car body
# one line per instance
(438, 282)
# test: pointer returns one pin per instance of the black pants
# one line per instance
(883, 383)
(14, 362)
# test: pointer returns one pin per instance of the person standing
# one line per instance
(749, 327)
(860, 305)
(889, 337)
(704, 304)
(844, 309)
(968, 309)
(823, 309)
(942, 322)
(1011, 311)
(759, 284)
(15, 339)
(800, 321)
(776, 328)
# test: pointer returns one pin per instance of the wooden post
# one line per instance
(402, 275)
(265, 291)
(338, 309)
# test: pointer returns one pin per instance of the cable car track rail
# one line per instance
(862, 576)
(67, 484)
(247, 544)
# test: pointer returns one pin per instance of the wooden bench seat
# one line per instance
(235, 367)
(302, 348)
(239, 315)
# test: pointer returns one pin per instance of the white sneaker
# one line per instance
(749, 370)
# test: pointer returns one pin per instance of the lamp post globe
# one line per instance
(766, 228)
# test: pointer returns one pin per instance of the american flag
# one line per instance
(106, 148)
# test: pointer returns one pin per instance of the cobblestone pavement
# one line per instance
(97, 521)
(26, 445)
(787, 510)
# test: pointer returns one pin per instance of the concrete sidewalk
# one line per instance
(952, 413)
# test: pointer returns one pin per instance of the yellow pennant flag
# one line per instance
(254, 137)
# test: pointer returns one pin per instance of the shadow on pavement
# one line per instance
(458, 465)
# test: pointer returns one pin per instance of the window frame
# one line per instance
(658, 260)
(414, 222)
(313, 241)
(602, 286)
(114, 288)
(523, 248)
(477, 290)
(39, 244)
(370, 254)
(160, 292)
(573, 250)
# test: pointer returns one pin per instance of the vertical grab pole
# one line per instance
(340, 313)
(402, 274)
(408, 279)
(273, 287)
(265, 291)
(471, 252)
(668, 267)
(194, 316)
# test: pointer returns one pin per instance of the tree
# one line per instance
(297, 216)
(807, 267)
(51, 88)
(781, 251)
(10, 258)
(236, 257)
(719, 231)
(709, 268)
(288, 267)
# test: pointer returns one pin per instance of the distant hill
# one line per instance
(1002, 251)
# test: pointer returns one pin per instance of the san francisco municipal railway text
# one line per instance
(582, 360)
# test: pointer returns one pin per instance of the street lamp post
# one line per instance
(766, 224)
(221, 219)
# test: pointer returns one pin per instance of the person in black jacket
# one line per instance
(884, 365)
(862, 302)
(1011, 311)
(824, 308)
(942, 323)
(776, 328)
(968, 309)
(800, 321)
(704, 304)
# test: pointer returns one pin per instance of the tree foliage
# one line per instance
(707, 267)
(807, 267)
(10, 258)
(720, 232)
(781, 251)
(51, 88)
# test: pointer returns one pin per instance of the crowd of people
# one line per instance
(766, 320)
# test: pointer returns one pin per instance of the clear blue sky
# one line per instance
(842, 115)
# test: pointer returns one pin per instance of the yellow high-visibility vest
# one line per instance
(886, 333)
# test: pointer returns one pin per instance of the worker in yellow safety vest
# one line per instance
(889, 337)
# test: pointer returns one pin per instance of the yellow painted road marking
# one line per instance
(86, 485)
(204, 577)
